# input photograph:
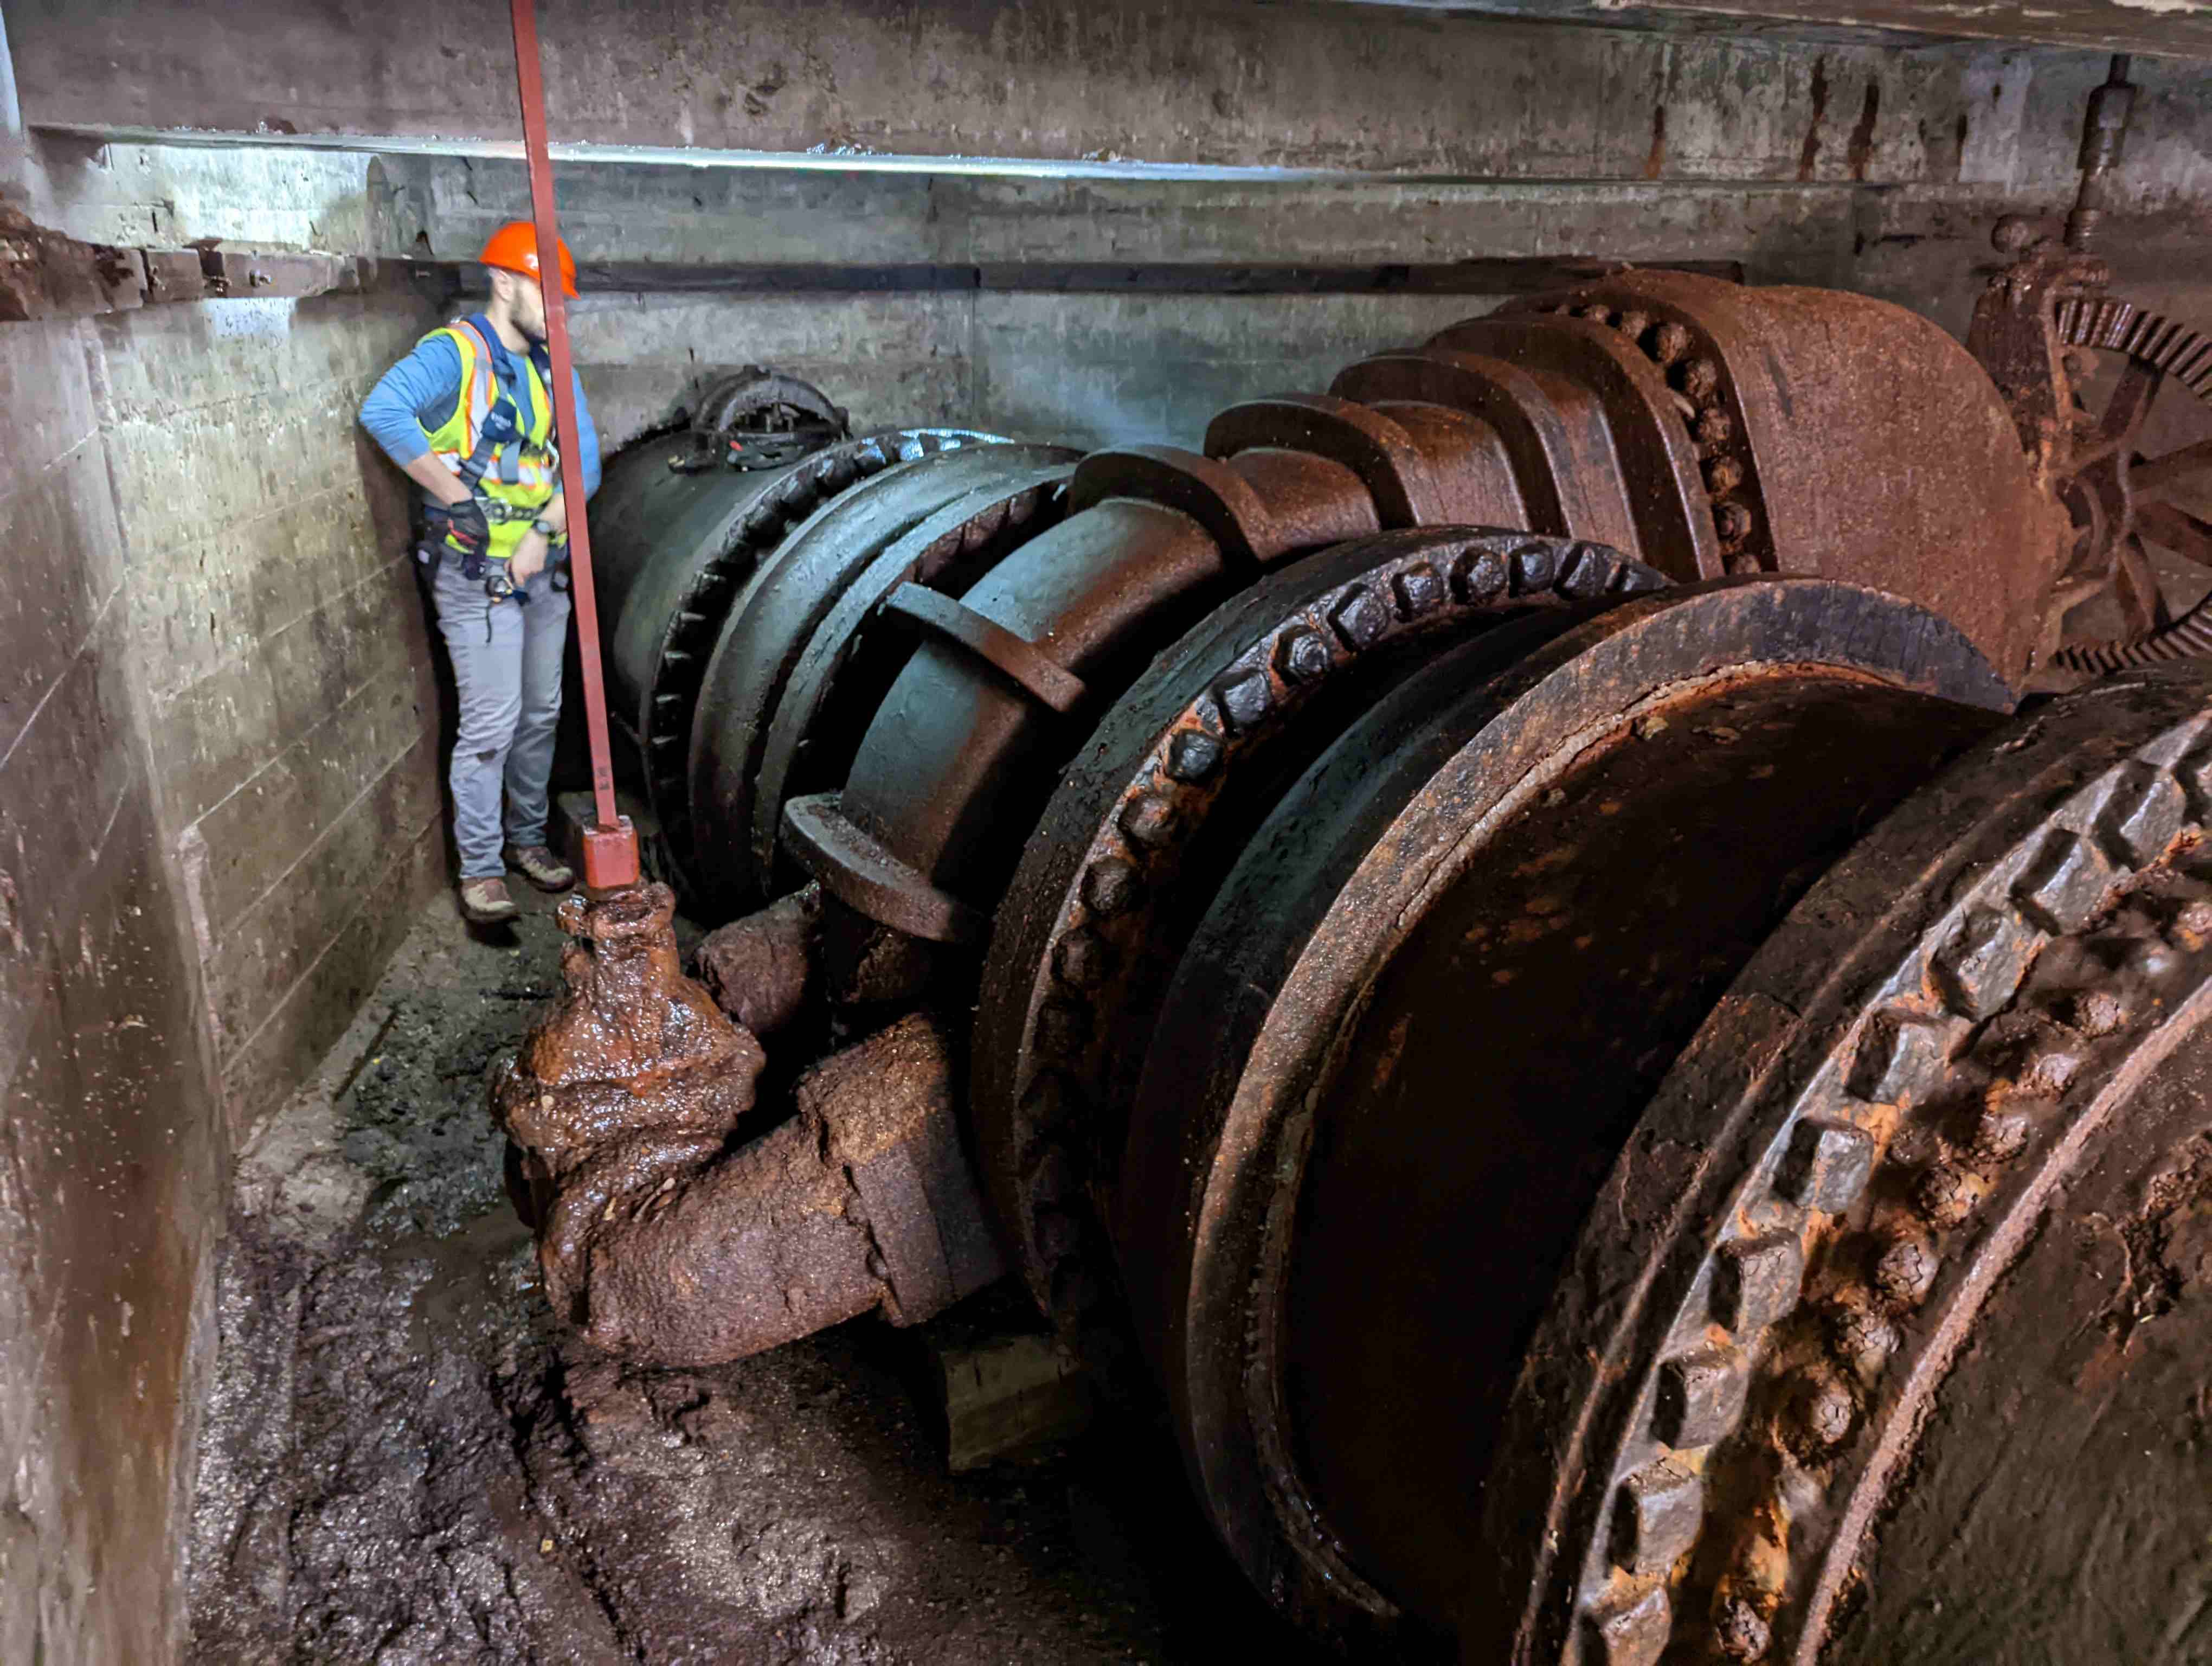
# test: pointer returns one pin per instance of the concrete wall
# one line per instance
(1099, 368)
(279, 634)
(110, 1187)
(274, 626)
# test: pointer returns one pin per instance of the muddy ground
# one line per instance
(405, 1463)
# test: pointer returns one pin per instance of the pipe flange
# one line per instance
(1102, 904)
(679, 669)
(1227, 1127)
(1754, 1362)
(1705, 401)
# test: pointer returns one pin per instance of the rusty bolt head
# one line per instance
(1192, 756)
(1360, 619)
(1245, 700)
(1740, 1631)
(2015, 233)
(2049, 1071)
(1701, 378)
(1063, 1028)
(1820, 1410)
(1481, 576)
(2097, 1012)
(1904, 1268)
(1419, 589)
(1714, 426)
(1595, 311)
(1533, 567)
(1700, 1395)
(1722, 476)
(1999, 1135)
(1149, 820)
(1733, 521)
(1632, 324)
(1862, 1341)
(1669, 342)
(1945, 1196)
(1083, 958)
(1049, 1104)
(1302, 656)
(1112, 886)
(1742, 563)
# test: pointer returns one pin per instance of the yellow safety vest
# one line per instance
(521, 475)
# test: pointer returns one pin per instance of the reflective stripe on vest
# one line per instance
(519, 476)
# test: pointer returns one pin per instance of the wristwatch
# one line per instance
(546, 529)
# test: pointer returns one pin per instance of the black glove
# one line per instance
(458, 529)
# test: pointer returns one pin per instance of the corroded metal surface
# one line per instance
(1142, 825)
(1306, 994)
(1799, 1237)
(675, 543)
(661, 1237)
(1404, 953)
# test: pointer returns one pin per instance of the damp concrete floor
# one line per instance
(406, 1463)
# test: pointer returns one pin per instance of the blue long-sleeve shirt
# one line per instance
(415, 395)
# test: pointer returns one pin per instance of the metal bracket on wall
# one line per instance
(46, 274)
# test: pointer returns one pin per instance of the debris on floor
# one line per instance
(406, 1461)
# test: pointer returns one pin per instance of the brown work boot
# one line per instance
(540, 866)
(486, 901)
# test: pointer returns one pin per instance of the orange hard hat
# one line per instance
(515, 247)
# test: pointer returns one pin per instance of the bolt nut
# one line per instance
(1083, 958)
(1420, 589)
(1999, 1135)
(1063, 1028)
(1821, 1412)
(1149, 820)
(1669, 342)
(2097, 1012)
(1632, 324)
(1701, 379)
(1714, 426)
(1733, 521)
(1740, 1631)
(1596, 311)
(1480, 577)
(1302, 656)
(1946, 1195)
(1192, 756)
(1862, 1341)
(1244, 700)
(1112, 886)
(1723, 475)
(1904, 1268)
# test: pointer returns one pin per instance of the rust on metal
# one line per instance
(1490, 938)
(663, 1238)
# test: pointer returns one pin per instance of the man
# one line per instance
(468, 415)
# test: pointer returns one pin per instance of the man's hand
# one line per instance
(458, 529)
(529, 558)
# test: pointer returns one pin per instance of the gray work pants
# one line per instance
(507, 666)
